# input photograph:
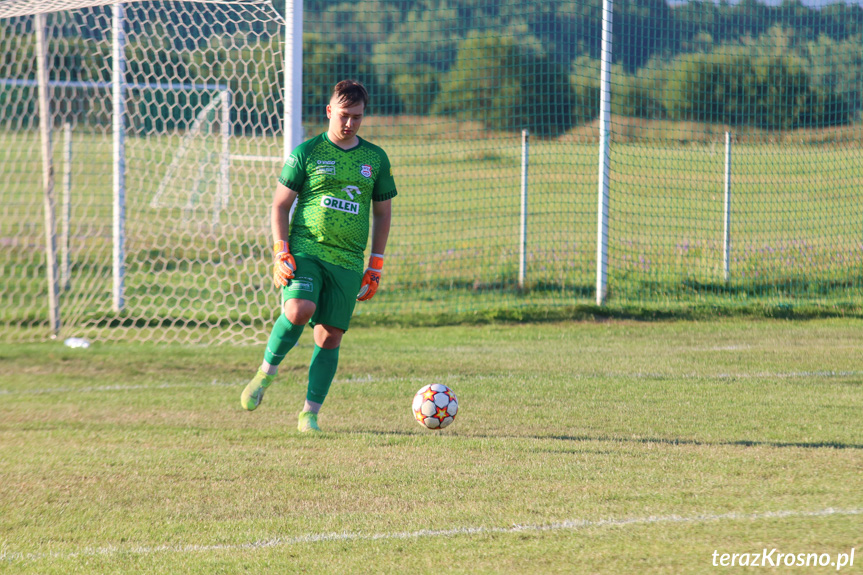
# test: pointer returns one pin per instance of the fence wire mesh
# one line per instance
(453, 86)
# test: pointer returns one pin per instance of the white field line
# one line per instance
(420, 381)
(573, 525)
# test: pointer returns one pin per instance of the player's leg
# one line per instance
(283, 337)
(331, 321)
(322, 370)
(300, 301)
(286, 332)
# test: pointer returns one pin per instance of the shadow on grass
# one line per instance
(639, 440)
(696, 442)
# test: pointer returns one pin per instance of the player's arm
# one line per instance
(280, 214)
(381, 218)
(280, 221)
(382, 214)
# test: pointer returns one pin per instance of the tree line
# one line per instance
(511, 66)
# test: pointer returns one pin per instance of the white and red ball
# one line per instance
(435, 406)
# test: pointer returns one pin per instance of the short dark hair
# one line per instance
(351, 93)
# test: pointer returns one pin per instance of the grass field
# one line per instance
(582, 447)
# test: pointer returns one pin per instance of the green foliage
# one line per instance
(71, 60)
(746, 63)
(498, 83)
(253, 73)
(768, 91)
(631, 95)
(324, 64)
(585, 101)
(825, 108)
(709, 87)
(424, 36)
(636, 97)
(417, 90)
(640, 31)
(781, 89)
(158, 110)
(834, 68)
(585, 90)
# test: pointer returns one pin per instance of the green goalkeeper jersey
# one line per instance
(335, 189)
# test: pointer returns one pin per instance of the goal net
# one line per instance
(197, 169)
(653, 157)
(202, 80)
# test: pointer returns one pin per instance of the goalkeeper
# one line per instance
(338, 181)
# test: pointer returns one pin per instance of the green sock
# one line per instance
(282, 339)
(322, 370)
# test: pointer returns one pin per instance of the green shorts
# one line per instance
(332, 288)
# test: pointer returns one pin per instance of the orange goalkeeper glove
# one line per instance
(283, 264)
(372, 278)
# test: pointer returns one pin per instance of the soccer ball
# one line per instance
(435, 406)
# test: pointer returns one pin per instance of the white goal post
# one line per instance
(50, 202)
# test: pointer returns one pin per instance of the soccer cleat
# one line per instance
(254, 392)
(308, 422)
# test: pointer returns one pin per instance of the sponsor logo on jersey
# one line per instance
(302, 283)
(292, 161)
(340, 205)
(366, 170)
(351, 190)
(325, 167)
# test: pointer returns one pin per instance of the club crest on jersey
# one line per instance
(366, 170)
(340, 205)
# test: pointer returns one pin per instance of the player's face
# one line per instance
(344, 120)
